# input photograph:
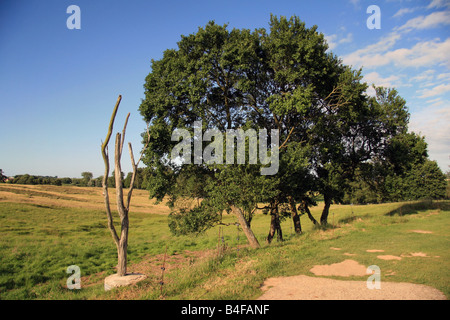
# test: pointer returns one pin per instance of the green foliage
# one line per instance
(87, 176)
(404, 172)
(424, 181)
(192, 221)
(34, 180)
(140, 181)
(240, 185)
(447, 193)
(205, 79)
(405, 151)
(237, 79)
(87, 180)
(331, 132)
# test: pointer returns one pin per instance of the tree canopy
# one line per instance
(322, 126)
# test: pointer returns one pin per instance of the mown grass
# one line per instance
(40, 241)
(371, 227)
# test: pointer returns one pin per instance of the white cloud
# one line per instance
(432, 122)
(438, 90)
(438, 4)
(383, 44)
(347, 39)
(378, 80)
(427, 75)
(426, 53)
(333, 42)
(371, 54)
(435, 102)
(444, 76)
(429, 84)
(426, 22)
(404, 11)
(423, 54)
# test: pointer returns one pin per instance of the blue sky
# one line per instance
(58, 86)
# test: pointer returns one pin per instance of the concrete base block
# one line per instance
(114, 280)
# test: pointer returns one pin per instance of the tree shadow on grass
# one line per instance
(348, 219)
(416, 206)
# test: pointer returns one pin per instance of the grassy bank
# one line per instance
(419, 239)
(41, 237)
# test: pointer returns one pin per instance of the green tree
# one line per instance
(127, 180)
(87, 176)
(315, 100)
(297, 78)
(205, 79)
(410, 174)
(112, 179)
(139, 179)
(402, 172)
(66, 180)
(447, 193)
(425, 181)
(285, 80)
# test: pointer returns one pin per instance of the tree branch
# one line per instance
(135, 165)
(123, 133)
(105, 176)
(285, 141)
(118, 172)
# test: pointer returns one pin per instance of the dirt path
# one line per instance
(303, 287)
(312, 288)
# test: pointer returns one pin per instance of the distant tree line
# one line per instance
(33, 179)
(87, 180)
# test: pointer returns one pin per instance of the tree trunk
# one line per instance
(122, 208)
(122, 257)
(295, 216)
(326, 210)
(122, 260)
(272, 228)
(123, 212)
(275, 226)
(122, 246)
(245, 227)
(304, 208)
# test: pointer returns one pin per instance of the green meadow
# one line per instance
(41, 237)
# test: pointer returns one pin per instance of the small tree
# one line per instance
(87, 177)
(122, 207)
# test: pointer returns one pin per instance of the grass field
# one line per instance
(45, 229)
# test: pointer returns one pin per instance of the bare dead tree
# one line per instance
(121, 241)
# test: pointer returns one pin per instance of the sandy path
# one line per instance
(312, 288)
(303, 287)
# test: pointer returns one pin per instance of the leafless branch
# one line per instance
(105, 176)
(123, 133)
(135, 165)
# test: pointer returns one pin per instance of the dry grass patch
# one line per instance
(76, 197)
